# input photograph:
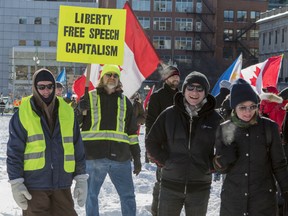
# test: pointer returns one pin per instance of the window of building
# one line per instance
(199, 6)
(162, 42)
(21, 72)
(37, 43)
(183, 24)
(254, 34)
(228, 15)
(22, 43)
(254, 15)
(145, 22)
(276, 37)
(143, 5)
(183, 43)
(254, 52)
(53, 21)
(270, 38)
(241, 34)
(163, 5)
(183, 59)
(227, 52)
(38, 21)
(283, 34)
(263, 39)
(162, 23)
(228, 34)
(22, 20)
(52, 44)
(165, 58)
(185, 6)
(241, 16)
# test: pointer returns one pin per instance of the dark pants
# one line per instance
(171, 202)
(50, 203)
(156, 189)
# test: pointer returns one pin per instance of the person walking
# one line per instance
(109, 131)
(159, 101)
(45, 153)
(2, 106)
(138, 110)
(249, 151)
(181, 141)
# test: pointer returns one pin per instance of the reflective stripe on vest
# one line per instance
(34, 154)
(118, 134)
(66, 119)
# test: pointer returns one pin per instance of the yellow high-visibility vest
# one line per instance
(118, 135)
(34, 154)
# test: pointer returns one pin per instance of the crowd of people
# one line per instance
(190, 136)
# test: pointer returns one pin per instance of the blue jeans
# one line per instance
(120, 174)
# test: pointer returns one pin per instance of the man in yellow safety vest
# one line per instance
(45, 152)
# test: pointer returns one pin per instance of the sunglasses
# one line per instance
(247, 108)
(115, 76)
(42, 87)
(198, 88)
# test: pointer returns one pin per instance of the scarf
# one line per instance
(242, 124)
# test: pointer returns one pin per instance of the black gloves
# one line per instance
(135, 151)
(137, 166)
(84, 103)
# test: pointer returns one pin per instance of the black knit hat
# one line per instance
(44, 75)
(241, 91)
(196, 77)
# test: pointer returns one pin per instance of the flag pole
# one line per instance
(66, 82)
(87, 83)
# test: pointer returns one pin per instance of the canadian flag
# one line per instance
(140, 59)
(263, 74)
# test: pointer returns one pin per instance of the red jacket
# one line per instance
(273, 107)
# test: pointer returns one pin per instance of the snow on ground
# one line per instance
(108, 198)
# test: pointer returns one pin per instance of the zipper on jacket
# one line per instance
(189, 147)
(190, 131)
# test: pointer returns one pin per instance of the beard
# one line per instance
(174, 84)
(111, 85)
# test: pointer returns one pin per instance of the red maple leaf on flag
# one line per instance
(254, 78)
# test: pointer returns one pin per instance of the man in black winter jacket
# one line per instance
(159, 101)
(181, 141)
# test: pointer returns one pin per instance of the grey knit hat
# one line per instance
(169, 71)
(196, 77)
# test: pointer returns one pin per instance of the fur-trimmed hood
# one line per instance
(271, 97)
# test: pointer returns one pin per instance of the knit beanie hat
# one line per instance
(44, 75)
(242, 91)
(109, 68)
(169, 71)
(196, 77)
(59, 85)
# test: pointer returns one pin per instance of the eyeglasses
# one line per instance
(42, 87)
(115, 76)
(198, 88)
(247, 108)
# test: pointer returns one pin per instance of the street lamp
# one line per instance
(36, 60)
